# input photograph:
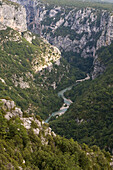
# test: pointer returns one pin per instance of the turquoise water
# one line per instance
(67, 102)
(65, 106)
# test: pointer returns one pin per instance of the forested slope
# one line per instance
(20, 79)
(90, 117)
(27, 143)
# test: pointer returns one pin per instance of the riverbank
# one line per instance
(67, 102)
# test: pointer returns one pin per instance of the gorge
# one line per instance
(67, 102)
(75, 31)
(48, 49)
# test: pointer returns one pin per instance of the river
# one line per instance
(67, 102)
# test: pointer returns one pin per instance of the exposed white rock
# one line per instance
(13, 15)
(44, 141)
(87, 23)
(2, 80)
(51, 55)
(27, 122)
(53, 133)
(36, 131)
(57, 62)
(38, 123)
(48, 131)
(59, 23)
(29, 75)
(24, 161)
(15, 112)
(8, 104)
(20, 82)
(54, 85)
(11, 109)
(28, 36)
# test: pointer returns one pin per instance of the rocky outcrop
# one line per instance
(43, 58)
(10, 108)
(33, 23)
(12, 15)
(38, 126)
(20, 82)
(50, 55)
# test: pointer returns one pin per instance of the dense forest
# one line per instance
(23, 149)
(89, 119)
(20, 82)
(16, 69)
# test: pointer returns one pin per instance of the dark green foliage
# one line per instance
(83, 65)
(16, 56)
(90, 117)
(3, 126)
(22, 148)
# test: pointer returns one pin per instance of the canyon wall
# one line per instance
(81, 31)
(12, 15)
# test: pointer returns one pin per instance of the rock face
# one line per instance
(70, 29)
(11, 110)
(12, 15)
(33, 23)
(82, 31)
(51, 55)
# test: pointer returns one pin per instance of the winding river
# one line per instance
(67, 102)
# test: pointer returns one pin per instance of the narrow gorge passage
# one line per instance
(67, 102)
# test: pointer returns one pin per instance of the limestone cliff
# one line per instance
(12, 15)
(82, 31)
(71, 29)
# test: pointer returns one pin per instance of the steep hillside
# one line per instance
(31, 69)
(28, 143)
(90, 117)
(78, 29)
(20, 63)
(22, 57)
